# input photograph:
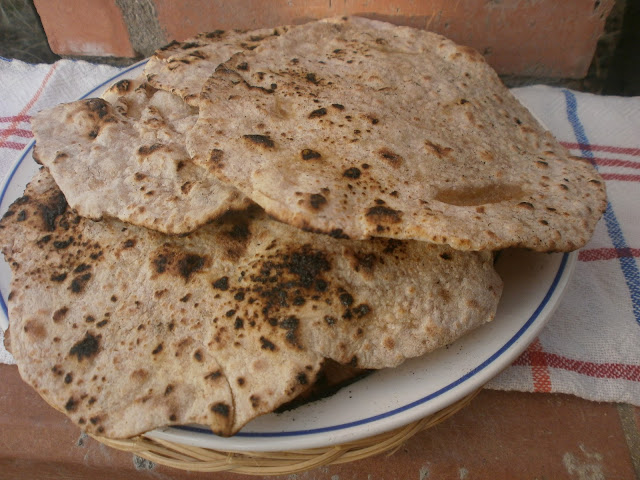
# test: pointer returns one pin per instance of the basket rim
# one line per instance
(201, 459)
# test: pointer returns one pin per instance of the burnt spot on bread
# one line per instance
(221, 409)
(361, 310)
(189, 264)
(197, 355)
(79, 283)
(62, 244)
(267, 344)
(263, 141)
(302, 379)
(317, 201)
(255, 400)
(157, 349)
(71, 405)
(58, 277)
(353, 173)
(390, 157)
(121, 87)
(291, 324)
(170, 46)
(81, 268)
(338, 233)
(177, 262)
(160, 263)
(308, 154)
(362, 263)
(44, 240)
(525, 205)
(60, 314)
(320, 112)
(54, 207)
(381, 214)
(240, 232)
(97, 106)
(311, 77)
(221, 284)
(329, 320)
(216, 156)
(437, 150)
(147, 150)
(86, 348)
(188, 45)
(346, 299)
(446, 256)
(307, 265)
(185, 188)
(214, 34)
(216, 374)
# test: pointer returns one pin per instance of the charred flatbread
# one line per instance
(359, 128)
(118, 326)
(125, 158)
(125, 329)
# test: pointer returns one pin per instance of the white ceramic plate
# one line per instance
(386, 399)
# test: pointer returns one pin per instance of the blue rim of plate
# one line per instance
(342, 426)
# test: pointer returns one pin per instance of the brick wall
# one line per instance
(539, 38)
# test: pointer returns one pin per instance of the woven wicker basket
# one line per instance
(199, 459)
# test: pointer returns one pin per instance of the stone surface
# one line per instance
(85, 28)
(500, 435)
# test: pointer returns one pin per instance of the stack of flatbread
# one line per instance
(202, 239)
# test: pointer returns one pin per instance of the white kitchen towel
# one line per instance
(591, 345)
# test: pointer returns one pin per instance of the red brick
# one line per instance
(545, 38)
(85, 28)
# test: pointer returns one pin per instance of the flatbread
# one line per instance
(125, 329)
(183, 67)
(127, 160)
(359, 128)
(119, 327)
